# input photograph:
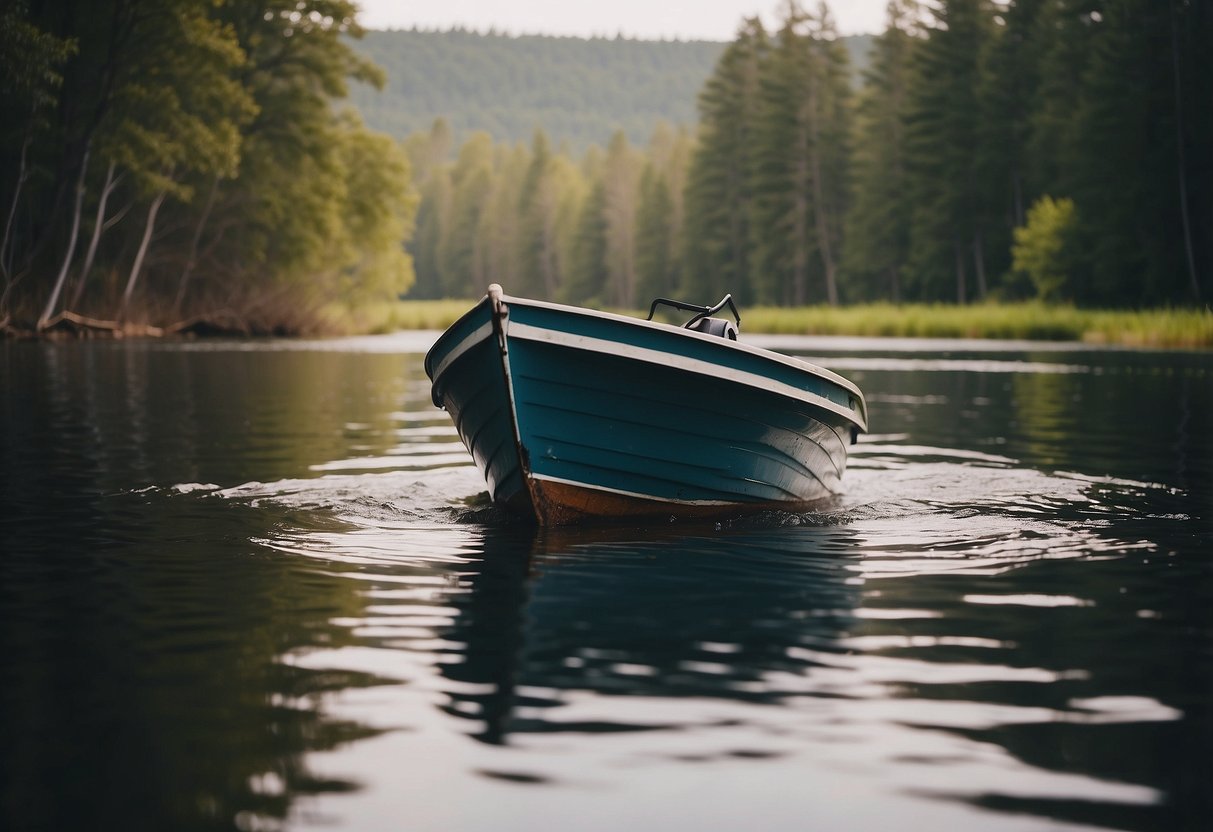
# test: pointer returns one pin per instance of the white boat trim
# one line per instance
(481, 333)
(691, 365)
(788, 360)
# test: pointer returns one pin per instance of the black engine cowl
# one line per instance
(716, 326)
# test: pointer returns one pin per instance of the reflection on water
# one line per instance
(259, 587)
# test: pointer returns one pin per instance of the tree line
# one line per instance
(166, 160)
(175, 158)
(1036, 148)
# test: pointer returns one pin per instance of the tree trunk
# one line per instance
(22, 175)
(1193, 283)
(800, 223)
(1017, 191)
(143, 246)
(53, 300)
(98, 227)
(960, 270)
(192, 262)
(820, 211)
(979, 264)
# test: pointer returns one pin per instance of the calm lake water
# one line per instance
(255, 586)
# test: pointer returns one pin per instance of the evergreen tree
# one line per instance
(538, 212)
(1062, 38)
(718, 244)
(471, 181)
(433, 219)
(1007, 88)
(497, 249)
(655, 264)
(878, 223)
(620, 180)
(587, 283)
(802, 154)
(1127, 185)
(941, 156)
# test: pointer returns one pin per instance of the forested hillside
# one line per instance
(163, 161)
(578, 90)
(1055, 149)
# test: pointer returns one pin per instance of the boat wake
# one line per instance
(908, 508)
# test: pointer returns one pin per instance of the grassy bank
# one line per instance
(1018, 321)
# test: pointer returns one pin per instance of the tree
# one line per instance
(1129, 186)
(538, 204)
(620, 182)
(941, 148)
(30, 79)
(587, 282)
(802, 155)
(471, 179)
(656, 269)
(718, 242)
(1043, 248)
(877, 242)
(178, 112)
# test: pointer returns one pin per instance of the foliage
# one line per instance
(796, 189)
(578, 91)
(1044, 249)
(162, 161)
(197, 148)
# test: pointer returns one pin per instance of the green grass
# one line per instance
(1017, 321)
(1026, 321)
(392, 316)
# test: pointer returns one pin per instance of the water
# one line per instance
(256, 586)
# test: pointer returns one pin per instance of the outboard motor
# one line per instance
(703, 321)
(715, 326)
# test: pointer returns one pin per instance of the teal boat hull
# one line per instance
(574, 415)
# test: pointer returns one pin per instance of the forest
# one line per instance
(188, 162)
(577, 90)
(1050, 149)
(197, 163)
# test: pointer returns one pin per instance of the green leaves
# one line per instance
(233, 99)
(1044, 248)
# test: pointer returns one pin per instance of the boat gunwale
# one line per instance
(430, 369)
(860, 416)
(758, 352)
(649, 356)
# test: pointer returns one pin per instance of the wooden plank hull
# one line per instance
(580, 416)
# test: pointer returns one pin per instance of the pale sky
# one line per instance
(648, 19)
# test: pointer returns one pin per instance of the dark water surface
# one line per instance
(255, 586)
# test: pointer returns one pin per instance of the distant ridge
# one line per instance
(578, 90)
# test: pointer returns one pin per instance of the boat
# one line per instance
(575, 415)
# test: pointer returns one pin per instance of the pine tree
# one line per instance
(621, 183)
(941, 156)
(801, 158)
(1007, 88)
(717, 244)
(587, 283)
(471, 180)
(878, 223)
(655, 265)
(1126, 182)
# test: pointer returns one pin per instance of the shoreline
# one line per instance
(1182, 328)
(1187, 328)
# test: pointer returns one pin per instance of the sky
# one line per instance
(648, 19)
